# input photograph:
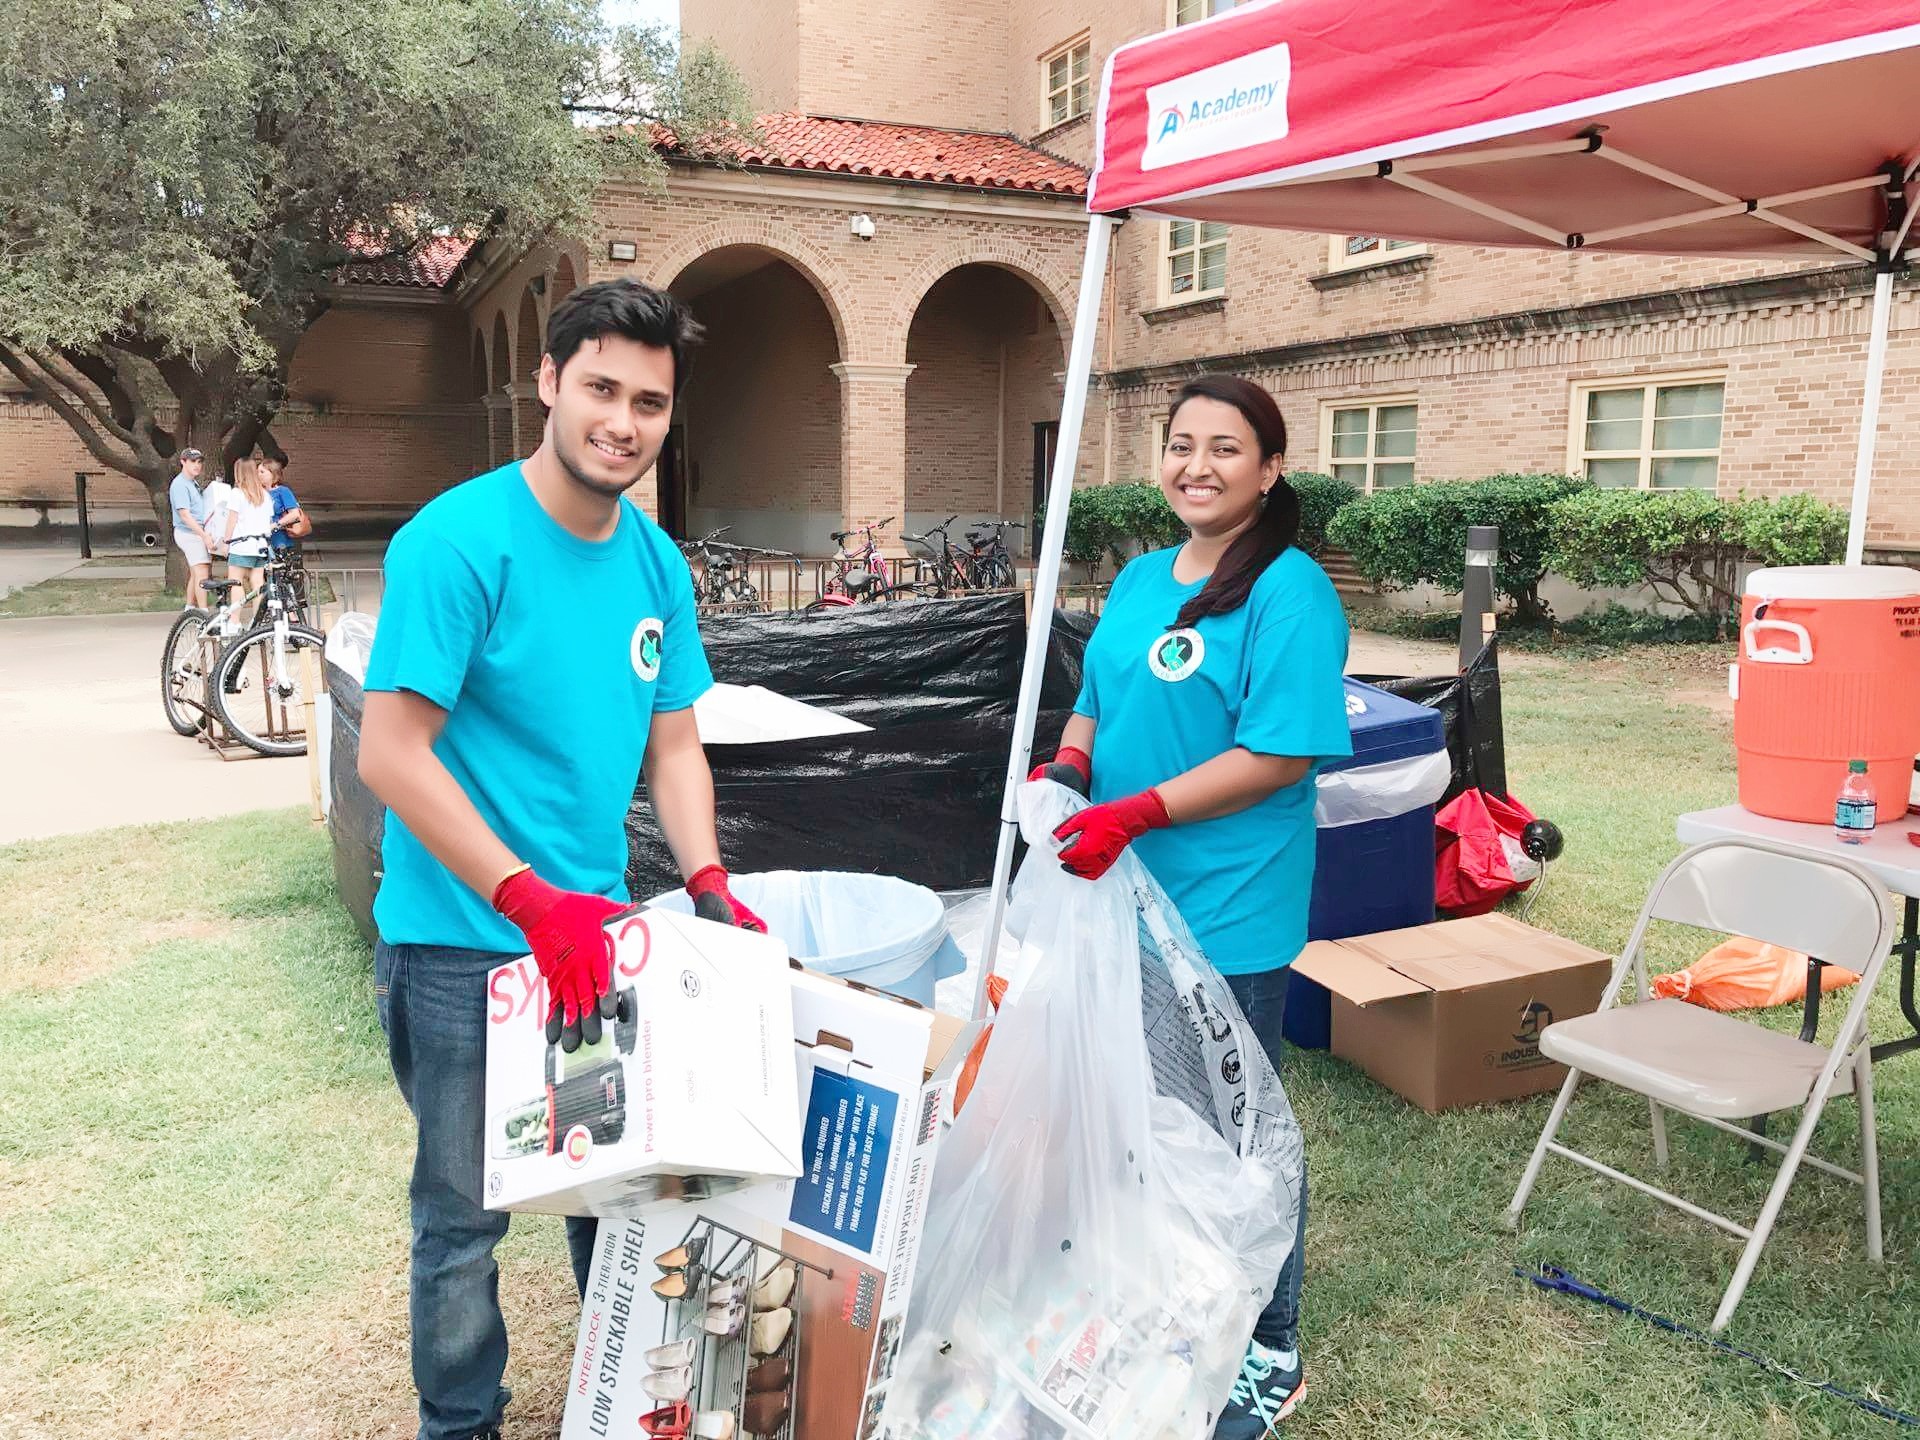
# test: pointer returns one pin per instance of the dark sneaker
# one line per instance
(1271, 1383)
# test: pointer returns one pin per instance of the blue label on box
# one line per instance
(849, 1133)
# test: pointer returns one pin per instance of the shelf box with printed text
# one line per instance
(688, 1092)
(874, 1076)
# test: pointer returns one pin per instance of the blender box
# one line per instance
(873, 1075)
(688, 1090)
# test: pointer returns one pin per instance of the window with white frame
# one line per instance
(1185, 12)
(1159, 453)
(1195, 263)
(1370, 443)
(1066, 78)
(1661, 433)
(1351, 252)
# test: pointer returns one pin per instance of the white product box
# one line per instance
(688, 1091)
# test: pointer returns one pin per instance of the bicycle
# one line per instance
(859, 576)
(987, 554)
(207, 669)
(985, 564)
(720, 580)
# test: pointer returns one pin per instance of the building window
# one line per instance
(1659, 434)
(1185, 12)
(1196, 260)
(1351, 252)
(1370, 444)
(1159, 454)
(1066, 76)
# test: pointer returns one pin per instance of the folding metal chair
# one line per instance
(1717, 1067)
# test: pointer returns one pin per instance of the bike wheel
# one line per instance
(999, 575)
(827, 605)
(908, 591)
(183, 679)
(741, 595)
(258, 688)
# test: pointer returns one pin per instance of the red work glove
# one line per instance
(1071, 767)
(713, 901)
(565, 931)
(1103, 831)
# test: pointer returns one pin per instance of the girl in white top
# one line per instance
(249, 525)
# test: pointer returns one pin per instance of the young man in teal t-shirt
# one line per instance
(536, 656)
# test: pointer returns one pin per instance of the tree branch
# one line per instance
(76, 386)
(46, 394)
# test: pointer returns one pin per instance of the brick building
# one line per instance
(887, 299)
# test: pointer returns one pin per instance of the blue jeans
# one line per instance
(432, 1001)
(1263, 999)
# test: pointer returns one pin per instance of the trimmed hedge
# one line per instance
(1687, 546)
(1416, 534)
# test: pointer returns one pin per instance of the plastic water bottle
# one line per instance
(1853, 811)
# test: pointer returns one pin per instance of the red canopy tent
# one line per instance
(1769, 128)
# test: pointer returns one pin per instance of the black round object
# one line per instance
(1542, 840)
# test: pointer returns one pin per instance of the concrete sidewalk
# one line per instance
(25, 565)
(84, 743)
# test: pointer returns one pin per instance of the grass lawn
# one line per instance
(202, 1174)
(120, 596)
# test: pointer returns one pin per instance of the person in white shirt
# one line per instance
(249, 526)
(219, 498)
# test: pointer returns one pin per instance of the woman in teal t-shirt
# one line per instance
(1212, 688)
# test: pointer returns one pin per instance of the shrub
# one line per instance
(1321, 498)
(1418, 533)
(1687, 546)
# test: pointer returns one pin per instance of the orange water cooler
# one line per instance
(1828, 671)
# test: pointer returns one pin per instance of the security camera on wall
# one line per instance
(862, 227)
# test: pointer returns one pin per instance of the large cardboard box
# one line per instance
(873, 1076)
(689, 1088)
(1451, 1013)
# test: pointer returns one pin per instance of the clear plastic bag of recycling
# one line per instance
(1116, 1198)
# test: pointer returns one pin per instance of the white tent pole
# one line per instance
(1046, 582)
(1870, 413)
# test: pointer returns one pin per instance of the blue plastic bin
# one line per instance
(879, 930)
(1376, 874)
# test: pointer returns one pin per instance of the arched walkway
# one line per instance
(756, 444)
(984, 347)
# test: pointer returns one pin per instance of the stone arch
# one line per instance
(983, 351)
(1003, 252)
(836, 289)
(528, 415)
(499, 410)
(757, 440)
(563, 281)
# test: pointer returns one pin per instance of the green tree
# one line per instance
(184, 181)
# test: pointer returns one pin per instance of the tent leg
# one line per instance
(1870, 414)
(1046, 579)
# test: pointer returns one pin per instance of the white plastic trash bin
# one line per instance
(875, 929)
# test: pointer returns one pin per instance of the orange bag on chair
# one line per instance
(1747, 975)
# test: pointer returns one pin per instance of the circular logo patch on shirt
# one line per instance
(1176, 654)
(648, 636)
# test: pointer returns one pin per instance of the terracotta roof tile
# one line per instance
(891, 151)
(429, 265)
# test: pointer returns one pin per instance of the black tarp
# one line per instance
(918, 796)
(1469, 705)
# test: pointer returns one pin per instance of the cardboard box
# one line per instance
(1451, 1013)
(689, 1089)
(874, 1074)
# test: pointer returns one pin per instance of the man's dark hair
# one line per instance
(628, 308)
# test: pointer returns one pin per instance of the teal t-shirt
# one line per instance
(1265, 678)
(550, 655)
